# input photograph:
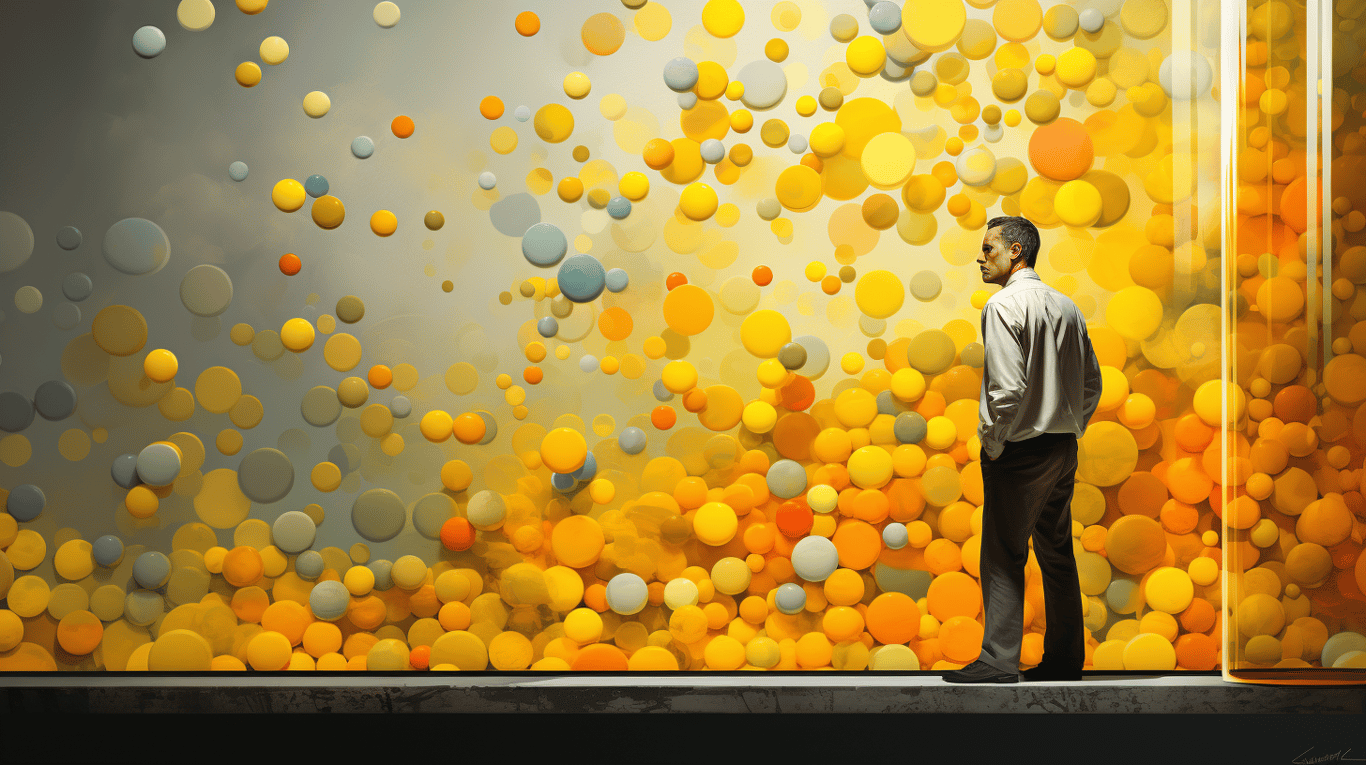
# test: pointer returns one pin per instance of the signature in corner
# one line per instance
(1338, 756)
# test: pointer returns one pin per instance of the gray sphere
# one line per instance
(152, 570)
(107, 550)
(790, 599)
(309, 565)
(909, 427)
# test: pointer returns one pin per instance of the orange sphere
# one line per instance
(663, 417)
(402, 126)
(1061, 150)
(420, 657)
(763, 276)
(658, 154)
(527, 23)
(533, 375)
(457, 534)
(695, 400)
(469, 428)
(794, 519)
(491, 107)
(290, 264)
(675, 279)
(380, 376)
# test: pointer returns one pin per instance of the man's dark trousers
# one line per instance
(1028, 491)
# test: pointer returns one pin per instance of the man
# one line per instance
(1040, 386)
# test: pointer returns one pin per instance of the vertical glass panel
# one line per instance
(1293, 528)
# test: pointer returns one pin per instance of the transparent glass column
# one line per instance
(1293, 572)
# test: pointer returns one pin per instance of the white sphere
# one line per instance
(894, 536)
(814, 558)
(1091, 20)
(627, 594)
(1185, 75)
(713, 151)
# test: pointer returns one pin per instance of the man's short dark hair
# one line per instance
(1017, 229)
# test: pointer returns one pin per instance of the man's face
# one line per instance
(996, 257)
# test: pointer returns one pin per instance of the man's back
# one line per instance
(1040, 374)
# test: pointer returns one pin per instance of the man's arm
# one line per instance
(1005, 359)
(1092, 380)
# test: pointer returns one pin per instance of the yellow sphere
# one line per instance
(1078, 204)
(870, 467)
(679, 377)
(602, 491)
(822, 498)
(715, 523)
(436, 426)
(826, 140)
(564, 450)
(160, 365)
(1208, 402)
(634, 186)
(288, 195)
(908, 384)
(759, 417)
(698, 201)
(583, 626)
(940, 432)
(764, 333)
(772, 373)
(297, 335)
(865, 56)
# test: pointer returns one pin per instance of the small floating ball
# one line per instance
(317, 104)
(152, 570)
(814, 558)
(149, 42)
(894, 535)
(383, 223)
(362, 146)
(315, 186)
(713, 151)
(632, 440)
(107, 550)
(248, 74)
(885, 17)
(680, 74)
(627, 594)
(487, 180)
(527, 23)
(290, 264)
(617, 279)
(790, 599)
(160, 365)
(548, 326)
(1091, 20)
(619, 207)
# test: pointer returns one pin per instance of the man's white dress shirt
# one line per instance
(1040, 373)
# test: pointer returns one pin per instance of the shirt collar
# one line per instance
(1023, 273)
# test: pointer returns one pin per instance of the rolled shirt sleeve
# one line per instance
(1005, 364)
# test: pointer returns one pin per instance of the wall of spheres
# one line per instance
(652, 341)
